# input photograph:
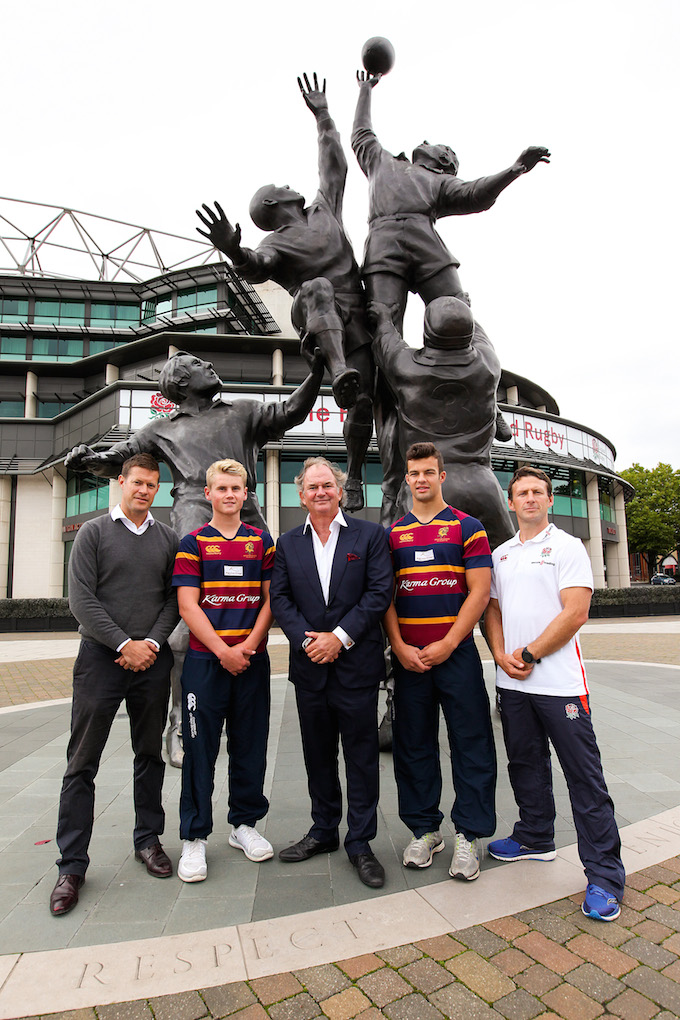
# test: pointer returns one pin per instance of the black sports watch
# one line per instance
(528, 657)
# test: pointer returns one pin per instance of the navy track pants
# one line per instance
(211, 695)
(529, 720)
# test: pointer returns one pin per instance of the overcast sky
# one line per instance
(142, 110)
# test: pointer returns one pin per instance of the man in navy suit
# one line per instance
(331, 585)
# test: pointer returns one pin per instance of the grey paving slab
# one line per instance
(636, 718)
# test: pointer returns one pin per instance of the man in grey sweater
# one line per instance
(120, 591)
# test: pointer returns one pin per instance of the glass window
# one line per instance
(119, 315)
(148, 311)
(56, 348)
(85, 494)
(163, 496)
(11, 408)
(51, 408)
(13, 310)
(164, 306)
(606, 492)
(12, 347)
(97, 346)
(60, 313)
(196, 299)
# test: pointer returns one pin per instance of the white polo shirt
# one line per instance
(527, 579)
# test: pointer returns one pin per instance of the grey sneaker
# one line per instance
(465, 862)
(419, 852)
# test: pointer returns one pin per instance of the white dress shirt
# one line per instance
(323, 557)
(118, 515)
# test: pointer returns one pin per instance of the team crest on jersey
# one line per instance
(406, 537)
(503, 558)
(213, 550)
(571, 710)
(442, 535)
(546, 551)
(250, 549)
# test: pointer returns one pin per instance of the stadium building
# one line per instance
(90, 309)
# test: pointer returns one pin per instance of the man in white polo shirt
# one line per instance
(540, 595)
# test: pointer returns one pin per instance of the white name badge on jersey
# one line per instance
(233, 571)
(424, 555)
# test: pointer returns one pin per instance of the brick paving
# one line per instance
(507, 967)
(547, 962)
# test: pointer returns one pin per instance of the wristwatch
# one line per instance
(528, 657)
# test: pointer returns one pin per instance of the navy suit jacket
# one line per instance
(360, 593)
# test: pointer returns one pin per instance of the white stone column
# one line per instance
(31, 399)
(32, 537)
(5, 512)
(172, 351)
(512, 395)
(622, 546)
(594, 543)
(272, 490)
(277, 367)
(112, 373)
(56, 582)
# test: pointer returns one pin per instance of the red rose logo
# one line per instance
(161, 404)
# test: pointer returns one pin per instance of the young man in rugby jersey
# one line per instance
(222, 575)
(442, 566)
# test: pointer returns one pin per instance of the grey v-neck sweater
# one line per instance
(120, 584)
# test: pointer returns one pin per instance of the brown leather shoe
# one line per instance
(157, 861)
(65, 894)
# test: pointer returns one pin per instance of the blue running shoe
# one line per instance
(600, 904)
(510, 850)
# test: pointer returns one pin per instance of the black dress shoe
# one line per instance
(304, 849)
(369, 869)
(157, 861)
(65, 894)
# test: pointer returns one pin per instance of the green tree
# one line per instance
(653, 515)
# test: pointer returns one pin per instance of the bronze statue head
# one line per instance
(437, 157)
(448, 324)
(268, 203)
(184, 372)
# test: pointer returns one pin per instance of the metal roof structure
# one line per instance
(55, 242)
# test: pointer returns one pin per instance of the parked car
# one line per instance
(662, 579)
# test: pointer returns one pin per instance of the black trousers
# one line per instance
(99, 687)
(349, 714)
(528, 721)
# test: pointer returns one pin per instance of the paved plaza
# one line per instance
(308, 940)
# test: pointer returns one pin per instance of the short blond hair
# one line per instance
(226, 467)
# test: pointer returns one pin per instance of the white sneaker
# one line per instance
(192, 865)
(254, 846)
(419, 852)
(465, 862)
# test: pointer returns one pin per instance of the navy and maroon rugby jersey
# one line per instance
(229, 572)
(429, 563)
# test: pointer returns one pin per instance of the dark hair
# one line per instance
(174, 377)
(526, 471)
(421, 451)
(140, 460)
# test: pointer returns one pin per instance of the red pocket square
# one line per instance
(352, 556)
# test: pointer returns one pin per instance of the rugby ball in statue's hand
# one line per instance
(377, 55)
